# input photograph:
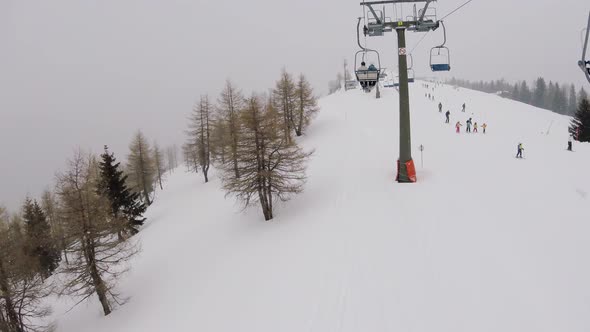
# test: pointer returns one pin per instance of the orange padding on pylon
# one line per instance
(411, 170)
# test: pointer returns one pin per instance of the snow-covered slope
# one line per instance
(483, 241)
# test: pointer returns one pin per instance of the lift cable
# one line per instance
(449, 14)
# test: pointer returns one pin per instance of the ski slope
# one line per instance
(482, 242)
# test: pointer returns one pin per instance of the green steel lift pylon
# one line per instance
(406, 172)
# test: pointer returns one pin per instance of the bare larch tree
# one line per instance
(229, 106)
(305, 105)
(98, 256)
(140, 167)
(284, 98)
(271, 167)
(200, 134)
(159, 164)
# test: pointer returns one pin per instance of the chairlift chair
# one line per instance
(411, 75)
(584, 63)
(367, 78)
(440, 56)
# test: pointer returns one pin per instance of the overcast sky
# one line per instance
(84, 73)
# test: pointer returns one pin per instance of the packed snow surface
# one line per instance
(482, 242)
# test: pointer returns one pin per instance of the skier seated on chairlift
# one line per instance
(372, 68)
(363, 68)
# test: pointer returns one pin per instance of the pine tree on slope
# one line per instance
(580, 125)
(40, 244)
(123, 202)
(572, 102)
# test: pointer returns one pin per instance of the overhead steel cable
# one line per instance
(449, 14)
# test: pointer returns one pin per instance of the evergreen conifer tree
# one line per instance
(39, 243)
(572, 101)
(582, 95)
(515, 92)
(580, 125)
(124, 203)
(539, 94)
(525, 93)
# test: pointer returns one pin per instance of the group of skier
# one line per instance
(472, 127)
(469, 123)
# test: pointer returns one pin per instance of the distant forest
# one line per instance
(562, 99)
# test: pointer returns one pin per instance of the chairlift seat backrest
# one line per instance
(367, 75)
(441, 67)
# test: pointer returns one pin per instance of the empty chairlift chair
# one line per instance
(440, 57)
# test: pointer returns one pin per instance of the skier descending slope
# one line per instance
(519, 150)
(468, 129)
(440, 107)
(458, 126)
(447, 115)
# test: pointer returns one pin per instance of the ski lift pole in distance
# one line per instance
(421, 155)
(411, 73)
(584, 63)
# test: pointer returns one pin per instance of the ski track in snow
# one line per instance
(483, 241)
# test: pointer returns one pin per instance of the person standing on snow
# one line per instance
(475, 127)
(468, 123)
(569, 143)
(519, 150)
(447, 115)
(458, 126)
(463, 110)
(484, 126)
(440, 107)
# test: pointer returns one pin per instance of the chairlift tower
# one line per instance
(378, 25)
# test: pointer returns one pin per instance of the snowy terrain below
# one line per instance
(483, 241)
